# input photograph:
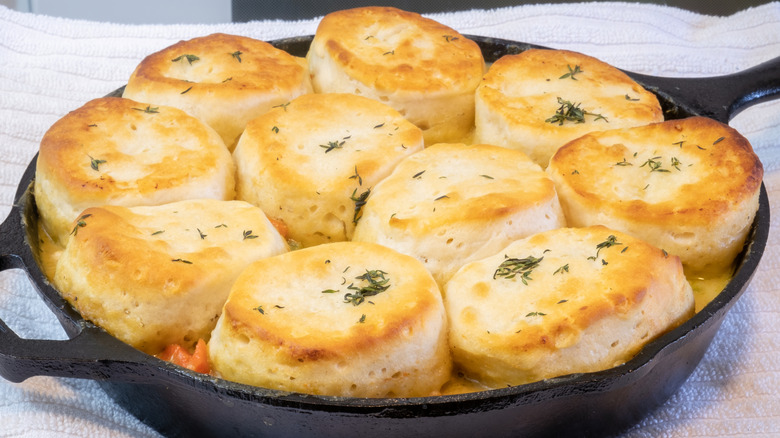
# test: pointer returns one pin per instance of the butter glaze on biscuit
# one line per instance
(425, 70)
(119, 151)
(224, 80)
(153, 276)
(520, 94)
(689, 186)
(289, 324)
(570, 300)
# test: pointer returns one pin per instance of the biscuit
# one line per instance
(224, 80)
(689, 186)
(539, 100)
(570, 300)
(348, 319)
(118, 151)
(154, 276)
(313, 162)
(425, 70)
(453, 203)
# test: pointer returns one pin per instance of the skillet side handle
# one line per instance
(91, 353)
(718, 97)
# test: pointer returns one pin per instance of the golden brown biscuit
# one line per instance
(224, 80)
(118, 151)
(348, 319)
(313, 162)
(570, 300)
(153, 276)
(453, 203)
(425, 70)
(539, 100)
(688, 186)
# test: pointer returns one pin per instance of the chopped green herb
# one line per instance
(535, 314)
(94, 163)
(332, 145)
(441, 197)
(158, 232)
(360, 201)
(377, 283)
(562, 269)
(149, 109)
(356, 176)
(248, 235)
(190, 58)
(236, 55)
(487, 176)
(511, 267)
(718, 140)
(571, 112)
(392, 52)
(185, 91)
(259, 309)
(281, 105)
(449, 38)
(80, 223)
(362, 318)
(611, 241)
(186, 262)
(654, 165)
(418, 174)
(200, 233)
(275, 129)
(624, 163)
(631, 98)
(572, 72)
(379, 126)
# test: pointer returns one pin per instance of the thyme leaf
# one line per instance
(571, 112)
(332, 145)
(237, 55)
(377, 283)
(572, 72)
(94, 163)
(360, 201)
(511, 267)
(80, 223)
(190, 58)
(248, 235)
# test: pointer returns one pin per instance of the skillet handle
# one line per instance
(91, 353)
(717, 97)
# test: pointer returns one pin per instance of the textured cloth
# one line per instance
(49, 66)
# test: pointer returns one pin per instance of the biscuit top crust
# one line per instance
(314, 302)
(542, 293)
(113, 147)
(693, 170)
(228, 64)
(529, 88)
(393, 50)
(167, 249)
(450, 183)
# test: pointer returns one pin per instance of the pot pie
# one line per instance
(122, 152)
(224, 80)
(570, 300)
(349, 318)
(423, 69)
(453, 203)
(540, 99)
(313, 162)
(159, 275)
(341, 147)
(689, 186)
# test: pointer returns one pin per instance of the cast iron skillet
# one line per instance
(178, 402)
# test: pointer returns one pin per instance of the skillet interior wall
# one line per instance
(247, 10)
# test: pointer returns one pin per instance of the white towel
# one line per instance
(49, 66)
